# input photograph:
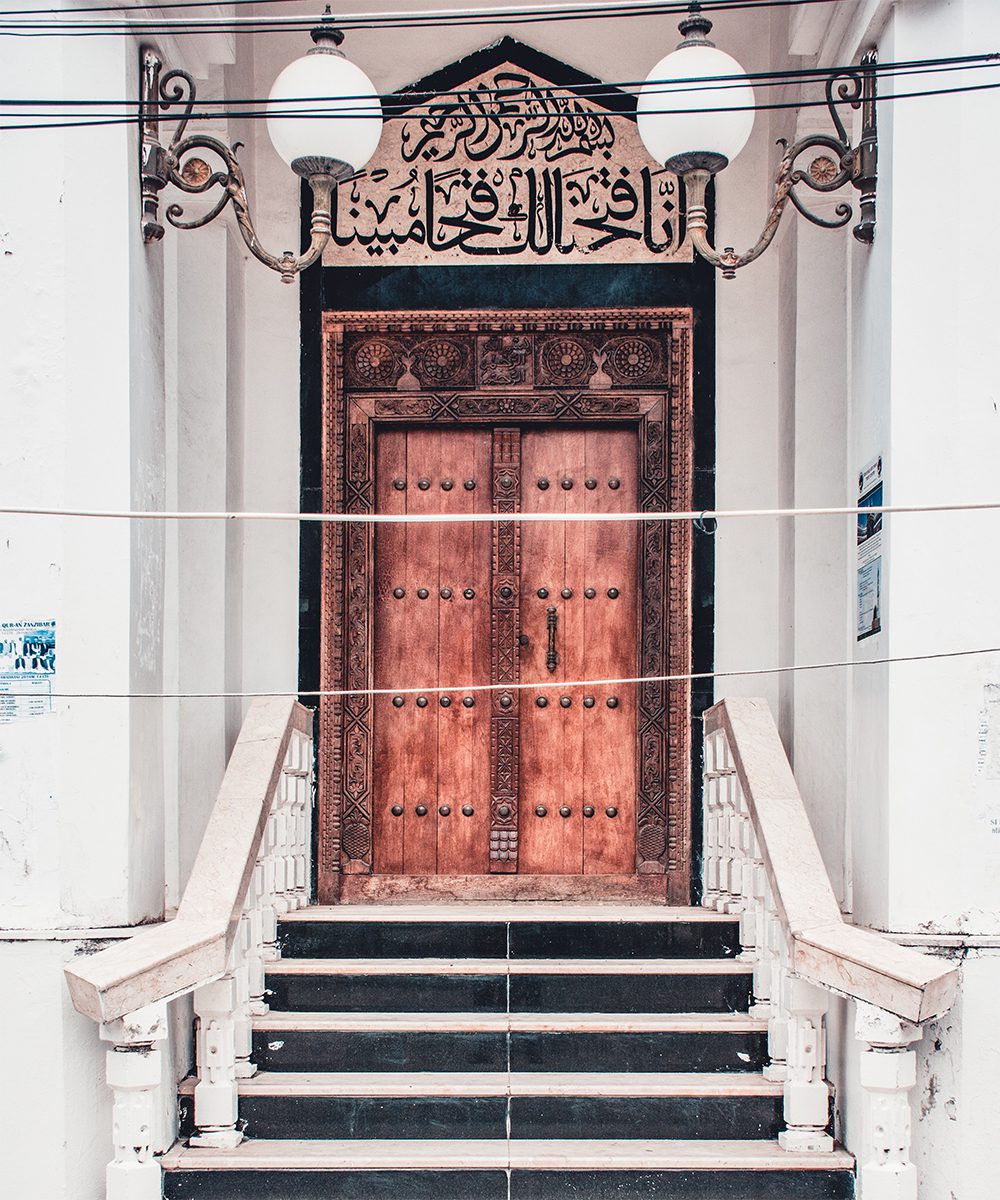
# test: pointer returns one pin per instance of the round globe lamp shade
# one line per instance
(324, 109)
(678, 119)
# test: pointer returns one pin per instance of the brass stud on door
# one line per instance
(565, 811)
(446, 702)
(588, 702)
(399, 485)
(421, 702)
(590, 593)
(469, 701)
(447, 485)
(469, 593)
(614, 483)
(421, 810)
(397, 810)
(567, 593)
(423, 484)
(565, 701)
(446, 593)
(566, 484)
(543, 484)
(612, 702)
(590, 484)
(541, 811)
(399, 593)
(542, 593)
(611, 811)
(398, 702)
(469, 485)
(613, 593)
(588, 810)
(422, 593)
(445, 810)
(503, 811)
(467, 810)
(542, 702)
(506, 701)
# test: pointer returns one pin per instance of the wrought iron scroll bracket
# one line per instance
(837, 164)
(177, 165)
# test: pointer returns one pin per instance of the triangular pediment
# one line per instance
(510, 155)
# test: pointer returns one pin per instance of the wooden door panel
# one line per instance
(610, 632)
(542, 558)
(463, 656)
(572, 654)
(420, 654)
(393, 729)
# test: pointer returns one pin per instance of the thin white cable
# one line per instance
(562, 685)
(709, 514)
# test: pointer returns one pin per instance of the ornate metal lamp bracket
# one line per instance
(838, 163)
(176, 164)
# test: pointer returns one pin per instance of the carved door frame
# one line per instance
(661, 412)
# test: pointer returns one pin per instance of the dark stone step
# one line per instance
(528, 993)
(314, 1050)
(789, 1184)
(424, 1117)
(527, 939)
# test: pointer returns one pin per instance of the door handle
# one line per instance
(552, 621)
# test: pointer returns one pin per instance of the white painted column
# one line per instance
(134, 1070)
(888, 1072)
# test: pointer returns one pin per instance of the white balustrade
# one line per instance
(253, 864)
(760, 860)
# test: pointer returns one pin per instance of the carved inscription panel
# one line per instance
(508, 163)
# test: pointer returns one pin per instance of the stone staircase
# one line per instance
(507, 1052)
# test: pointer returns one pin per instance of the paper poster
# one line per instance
(27, 668)
(870, 551)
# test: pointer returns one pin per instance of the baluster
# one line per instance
(134, 1070)
(216, 1098)
(726, 798)
(806, 1094)
(764, 915)
(777, 1024)
(268, 908)
(712, 801)
(255, 950)
(888, 1072)
(242, 1020)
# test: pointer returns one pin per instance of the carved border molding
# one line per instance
(662, 413)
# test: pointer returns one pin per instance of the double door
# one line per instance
(504, 741)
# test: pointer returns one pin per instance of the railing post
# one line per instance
(134, 1069)
(777, 1019)
(888, 1072)
(216, 1098)
(807, 1094)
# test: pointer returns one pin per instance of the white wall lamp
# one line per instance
(324, 118)
(695, 131)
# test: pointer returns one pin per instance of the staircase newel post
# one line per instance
(216, 1098)
(242, 1020)
(806, 1094)
(134, 1071)
(255, 951)
(714, 754)
(888, 1072)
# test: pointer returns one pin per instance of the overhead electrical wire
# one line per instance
(596, 90)
(65, 23)
(509, 11)
(491, 518)
(542, 684)
(84, 122)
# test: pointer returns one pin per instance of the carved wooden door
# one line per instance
(572, 788)
(537, 780)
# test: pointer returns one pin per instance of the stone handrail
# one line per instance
(252, 865)
(761, 861)
(168, 960)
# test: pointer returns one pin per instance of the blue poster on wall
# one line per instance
(869, 541)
